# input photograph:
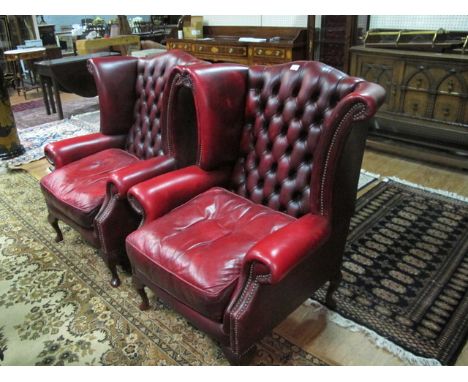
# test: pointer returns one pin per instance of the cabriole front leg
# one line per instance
(111, 262)
(332, 288)
(53, 221)
(140, 288)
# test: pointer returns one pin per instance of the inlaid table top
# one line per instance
(24, 54)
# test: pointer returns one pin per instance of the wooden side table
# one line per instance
(68, 74)
(27, 55)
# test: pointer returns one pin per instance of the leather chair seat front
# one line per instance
(195, 252)
(78, 189)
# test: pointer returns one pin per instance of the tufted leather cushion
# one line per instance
(77, 190)
(287, 109)
(144, 138)
(195, 252)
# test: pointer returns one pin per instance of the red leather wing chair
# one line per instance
(88, 188)
(236, 249)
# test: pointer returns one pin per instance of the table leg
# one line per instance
(44, 94)
(17, 76)
(57, 98)
(51, 95)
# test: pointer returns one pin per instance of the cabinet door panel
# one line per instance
(447, 108)
(380, 71)
(451, 85)
(415, 103)
(419, 82)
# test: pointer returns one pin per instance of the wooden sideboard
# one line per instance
(425, 115)
(221, 44)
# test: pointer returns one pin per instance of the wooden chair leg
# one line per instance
(140, 288)
(53, 221)
(239, 360)
(332, 288)
(112, 265)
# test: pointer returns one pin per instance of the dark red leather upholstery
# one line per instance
(156, 197)
(216, 111)
(286, 110)
(78, 190)
(207, 240)
(115, 79)
(72, 149)
(93, 173)
(236, 260)
(144, 138)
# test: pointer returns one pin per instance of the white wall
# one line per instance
(69, 20)
(448, 22)
(257, 20)
(285, 21)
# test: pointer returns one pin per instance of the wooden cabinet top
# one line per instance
(230, 35)
(411, 54)
(222, 44)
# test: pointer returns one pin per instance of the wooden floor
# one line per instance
(307, 327)
(421, 173)
(31, 95)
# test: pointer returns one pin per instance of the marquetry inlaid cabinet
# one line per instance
(425, 115)
(221, 44)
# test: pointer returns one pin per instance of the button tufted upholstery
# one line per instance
(144, 138)
(88, 188)
(236, 259)
(284, 118)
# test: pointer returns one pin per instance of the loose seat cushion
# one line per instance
(195, 252)
(78, 189)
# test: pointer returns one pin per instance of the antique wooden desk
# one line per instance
(68, 74)
(222, 44)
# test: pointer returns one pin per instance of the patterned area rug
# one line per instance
(91, 118)
(35, 138)
(32, 116)
(405, 271)
(27, 105)
(57, 308)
